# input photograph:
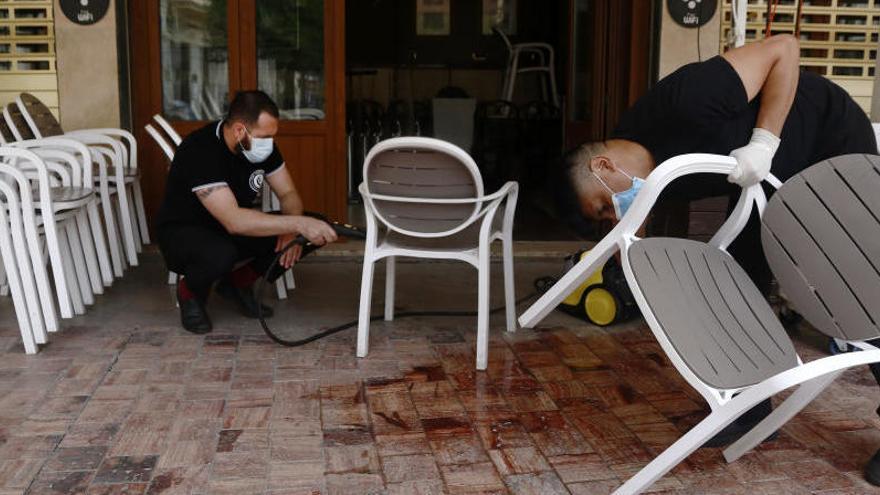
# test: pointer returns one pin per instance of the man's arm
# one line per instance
(282, 185)
(221, 204)
(769, 67)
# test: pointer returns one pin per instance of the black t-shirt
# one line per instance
(203, 160)
(703, 108)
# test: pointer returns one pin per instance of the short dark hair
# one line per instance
(247, 106)
(566, 177)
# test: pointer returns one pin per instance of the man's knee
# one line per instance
(217, 259)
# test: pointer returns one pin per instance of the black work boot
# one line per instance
(743, 425)
(872, 470)
(193, 315)
(244, 298)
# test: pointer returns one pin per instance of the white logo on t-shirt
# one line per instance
(256, 180)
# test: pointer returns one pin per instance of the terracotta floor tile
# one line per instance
(518, 460)
(402, 444)
(118, 489)
(420, 487)
(546, 483)
(583, 467)
(18, 473)
(249, 465)
(351, 459)
(76, 459)
(286, 447)
(470, 478)
(410, 468)
(304, 477)
(127, 469)
(349, 483)
(62, 483)
(90, 434)
(106, 411)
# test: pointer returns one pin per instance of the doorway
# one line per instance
(445, 69)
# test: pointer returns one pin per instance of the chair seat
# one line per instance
(64, 194)
(711, 311)
(468, 238)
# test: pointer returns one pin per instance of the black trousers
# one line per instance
(204, 254)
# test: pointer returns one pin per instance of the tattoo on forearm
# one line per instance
(205, 192)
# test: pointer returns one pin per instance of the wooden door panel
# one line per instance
(306, 161)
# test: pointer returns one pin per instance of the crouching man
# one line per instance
(207, 229)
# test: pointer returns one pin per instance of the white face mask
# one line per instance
(261, 148)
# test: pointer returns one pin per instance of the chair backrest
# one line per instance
(499, 32)
(39, 118)
(821, 237)
(165, 145)
(17, 124)
(6, 134)
(422, 168)
(169, 130)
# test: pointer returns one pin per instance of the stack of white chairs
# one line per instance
(59, 221)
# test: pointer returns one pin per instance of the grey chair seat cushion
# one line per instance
(469, 238)
(711, 311)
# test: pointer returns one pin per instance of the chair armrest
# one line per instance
(119, 133)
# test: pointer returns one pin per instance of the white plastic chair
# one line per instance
(424, 198)
(713, 323)
(104, 150)
(542, 53)
(169, 130)
(16, 198)
(63, 218)
(124, 172)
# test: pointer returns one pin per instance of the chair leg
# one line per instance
(686, 445)
(132, 212)
(65, 266)
(100, 244)
(514, 68)
(363, 339)
(18, 300)
(21, 263)
(390, 270)
(126, 224)
(280, 290)
(787, 410)
(112, 238)
(483, 307)
(289, 281)
(172, 278)
(141, 211)
(41, 277)
(78, 263)
(509, 288)
(85, 238)
(121, 235)
(58, 272)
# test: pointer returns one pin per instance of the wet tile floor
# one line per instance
(122, 402)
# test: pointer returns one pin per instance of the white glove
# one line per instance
(754, 159)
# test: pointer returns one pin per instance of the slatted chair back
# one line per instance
(821, 237)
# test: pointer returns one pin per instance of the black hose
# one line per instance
(541, 285)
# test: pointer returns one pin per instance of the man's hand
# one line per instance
(754, 159)
(316, 231)
(292, 255)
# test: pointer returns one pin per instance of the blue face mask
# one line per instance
(623, 199)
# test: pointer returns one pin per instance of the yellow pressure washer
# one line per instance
(604, 298)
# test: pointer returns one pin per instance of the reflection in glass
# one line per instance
(290, 56)
(195, 67)
(582, 61)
